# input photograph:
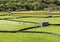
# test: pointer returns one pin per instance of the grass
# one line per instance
(28, 37)
(53, 29)
(35, 13)
(7, 17)
(4, 13)
(9, 25)
(51, 20)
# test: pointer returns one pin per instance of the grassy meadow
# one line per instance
(25, 23)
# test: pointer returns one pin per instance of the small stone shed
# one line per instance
(49, 15)
(43, 23)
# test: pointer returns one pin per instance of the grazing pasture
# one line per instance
(12, 26)
(51, 20)
(28, 29)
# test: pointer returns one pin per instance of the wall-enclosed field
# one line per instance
(34, 13)
(14, 28)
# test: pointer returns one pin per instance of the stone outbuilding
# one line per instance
(43, 23)
(49, 15)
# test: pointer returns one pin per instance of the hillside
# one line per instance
(28, 5)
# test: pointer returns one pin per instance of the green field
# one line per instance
(7, 25)
(54, 29)
(28, 37)
(51, 20)
(10, 25)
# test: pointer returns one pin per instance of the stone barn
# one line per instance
(49, 15)
(43, 23)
